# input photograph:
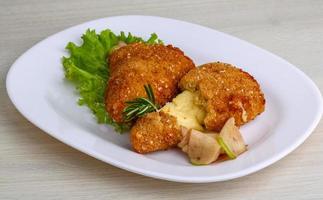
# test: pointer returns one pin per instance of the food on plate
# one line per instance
(140, 106)
(156, 131)
(205, 148)
(129, 82)
(224, 91)
(88, 69)
(202, 149)
(187, 112)
(160, 131)
(138, 64)
(214, 97)
(231, 139)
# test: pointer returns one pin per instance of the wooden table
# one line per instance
(33, 165)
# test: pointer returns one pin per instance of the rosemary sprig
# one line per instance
(140, 106)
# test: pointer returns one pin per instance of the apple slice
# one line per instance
(202, 149)
(186, 133)
(230, 139)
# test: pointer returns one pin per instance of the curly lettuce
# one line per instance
(88, 69)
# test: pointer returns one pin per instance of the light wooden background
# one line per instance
(35, 166)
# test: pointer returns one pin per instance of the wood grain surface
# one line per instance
(33, 165)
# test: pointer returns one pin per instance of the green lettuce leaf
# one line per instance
(88, 69)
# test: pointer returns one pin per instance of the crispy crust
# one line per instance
(225, 91)
(155, 131)
(137, 64)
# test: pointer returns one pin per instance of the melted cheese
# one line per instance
(187, 113)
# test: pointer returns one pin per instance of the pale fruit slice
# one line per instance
(186, 133)
(215, 136)
(230, 139)
(202, 149)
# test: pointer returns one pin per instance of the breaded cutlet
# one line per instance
(224, 91)
(138, 64)
(155, 131)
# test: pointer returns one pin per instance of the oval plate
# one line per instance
(36, 86)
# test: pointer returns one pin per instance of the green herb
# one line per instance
(140, 106)
(87, 68)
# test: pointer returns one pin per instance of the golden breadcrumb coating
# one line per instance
(134, 65)
(155, 131)
(224, 91)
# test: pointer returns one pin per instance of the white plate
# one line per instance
(36, 86)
